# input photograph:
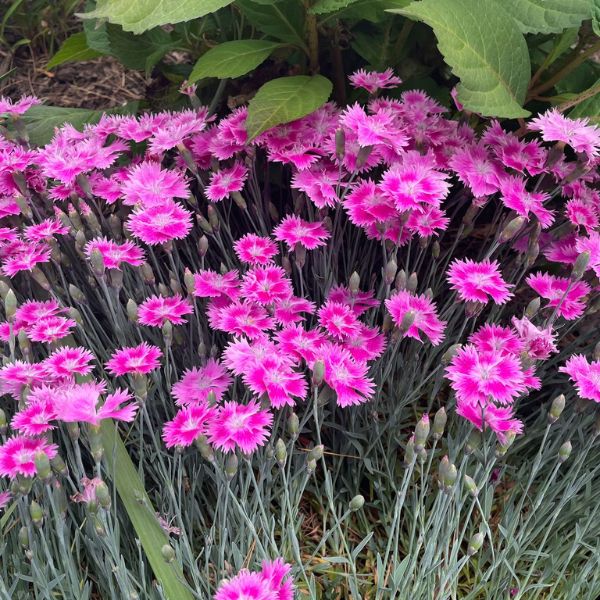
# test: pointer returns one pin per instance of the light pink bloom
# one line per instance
(255, 250)
(32, 311)
(188, 424)
(160, 223)
(319, 184)
(198, 382)
(82, 403)
(414, 181)
(570, 305)
(425, 315)
(157, 310)
(67, 362)
(17, 455)
(477, 169)
(514, 196)
(26, 259)
(241, 318)
(50, 329)
(35, 418)
(539, 343)
(475, 281)
(148, 183)
(500, 419)
(367, 205)
(47, 229)
(210, 284)
(266, 285)
(585, 375)
(240, 354)
(137, 360)
(289, 310)
(89, 490)
(21, 106)
(496, 339)
(555, 127)
(338, 320)
(5, 498)
(380, 128)
(239, 425)
(346, 377)
(115, 254)
(478, 376)
(16, 375)
(373, 81)
(176, 129)
(293, 230)
(228, 180)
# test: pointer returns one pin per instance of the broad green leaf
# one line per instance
(484, 48)
(73, 49)
(322, 7)
(562, 43)
(367, 10)
(285, 99)
(590, 107)
(96, 35)
(596, 16)
(141, 513)
(41, 120)
(138, 16)
(547, 16)
(232, 59)
(283, 21)
(139, 52)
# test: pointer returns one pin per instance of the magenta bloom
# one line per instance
(499, 419)
(79, 403)
(338, 320)
(157, 310)
(368, 344)
(241, 318)
(478, 376)
(266, 285)
(255, 250)
(319, 184)
(477, 169)
(413, 181)
(539, 343)
(585, 375)
(239, 425)
(26, 259)
(198, 382)
(67, 362)
(590, 244)
(360, 302)
(570, 304)
(367, 205)
(5, 498)
(516, 197)
(137, 360)
(289, 310)
(50, 329)
(18, 374)
(270, 583)
(426, 221)
(474, 281)
(495, 338)
(35, 418)
(224, 182)
(426, 319)
(373, 81)
(296, 342)
(555, 127)
(32, 311)
(115, 254)
(148, 183)
(346, 377)
(582, 213)
(17, 455)
(240, 354)
(380, 128)
(160, 223)
(210, 284)
(45, 230)
(188, 424)
(293, 230)
(21, 106)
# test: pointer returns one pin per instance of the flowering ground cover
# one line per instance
(353, 356)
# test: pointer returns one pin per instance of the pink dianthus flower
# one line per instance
(160, 223)
(188, 424)
(137, 360)
(475, 281)
(17, 455)
(198, 382)
(585, 375)
(562, 293)
(425, 316)
(293, 230)
(228, 180)
(255, 250)
(157, 310)
(373, 80)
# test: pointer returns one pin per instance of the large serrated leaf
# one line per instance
(232, 59)
(286, 99)
(138, 16)
(547, 16)
(74, 48)
(322, 7)
(485, 49)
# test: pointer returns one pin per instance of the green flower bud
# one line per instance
(42, 466)
(470, 486)
(357, 503)
(363, 155)
(473, 441)
(533, 307)
(239, 200)
(213, 217)
(401, 280)
(450, 477)
(147, 274)
(167, 332)
(412, 283)
(565, 451)
(3, 422)
(280, 452)
(73, 431)
(204, 224)
(435, 250)
(389, 273)
(580, 266)
(556, 408)
(502, 449)
(203, 246)
(443, 470)
(449, 354)
(409, 451)
(422, 432)
(103, 495)
(132, 311)
(168, 553)
(475, 544)
(205, 448)
(511, 229)
(188, 280)
(316, 453)
(97, 261)
(340, 144)
(36, 513)
(293, 424)
(95, 440)
(10, 305)
(23, 537)
(231, 466)
(354, 283)
(59, 466)
(318, 373)
(77, 295)
(75, 315)
(100, 530)
(439, 423)
(311, 466)
(407, 321)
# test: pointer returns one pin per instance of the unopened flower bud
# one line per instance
(10, 305)
(475, 544)
(206, 451)
(473, 441)
(95, 439)
(439, 423)
(239, 201)
(115, 226)
(390, 272)
(74, 431)
(3, 424)
(97, 262)
(354, 283)
(280, 452)
(168, 553)
(287, 265)
(443, 470)
(565, 451)
(318, 373)
(533, 307)
(473, 308)
(362, 157)
(213, 217)
(580, 266)
(203, 245)
(401, 280)
(470, 485)
(59, 466)
(167, 332)
(357, 503)
(23, 537)
(147, 274)
(132, 311)
(231, 466)
(41, 279)
(450, 353)
(203, 223)
(435, 250)
(407, 321)
(422, 432)
(450, 477)
(511, 229)
(316, 453)
(99, 528)
(75, 315)
(42, 466)
(188, 280)
(502, 449)
(412, 283)
(311, 466)
(340, 144)
(163, 290)
(556, 408)
(103, 495)
(409, 451)
(293, 424)
(77, 295)
(36, 513)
